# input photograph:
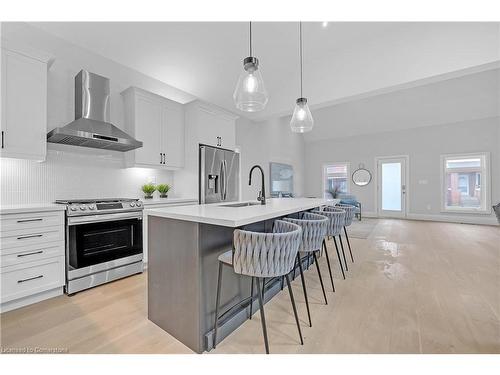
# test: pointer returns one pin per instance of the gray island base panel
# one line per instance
(182, 280)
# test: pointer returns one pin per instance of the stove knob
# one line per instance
(91, 206)
(83, 207)
(132, 204)
(138, 204)
(73, 208)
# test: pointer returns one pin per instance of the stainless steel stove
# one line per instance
(79, 207)
(103, 241)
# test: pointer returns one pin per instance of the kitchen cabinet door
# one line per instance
(215, 128)
(148, 129)
(227, 134)
(24, 106)
(173, 135)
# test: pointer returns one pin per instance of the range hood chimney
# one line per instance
(91, 127)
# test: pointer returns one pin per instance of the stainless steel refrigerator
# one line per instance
(219, 175)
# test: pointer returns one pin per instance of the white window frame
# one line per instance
(348, 180)
(485, 183)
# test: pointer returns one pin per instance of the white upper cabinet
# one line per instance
(148, 129)
(157, 122)
(24, 102)
(173, 134)
(210, 125)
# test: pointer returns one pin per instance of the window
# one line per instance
(465, 183)
(335, 179)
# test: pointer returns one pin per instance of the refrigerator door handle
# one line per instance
(222, 180)
(225, 179)
(202, 177)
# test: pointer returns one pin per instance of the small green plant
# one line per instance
(148, 190)
(163, 190)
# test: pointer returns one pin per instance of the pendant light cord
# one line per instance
(250, 38)
(300, 49)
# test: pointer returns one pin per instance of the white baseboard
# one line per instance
(487, 220)
(29, 300)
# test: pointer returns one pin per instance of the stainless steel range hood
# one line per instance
(91, 127)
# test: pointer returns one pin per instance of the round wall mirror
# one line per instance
(361, 176)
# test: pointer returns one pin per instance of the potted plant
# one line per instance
(163, 190)
(148, 190)
(497, 212)
(334, 192)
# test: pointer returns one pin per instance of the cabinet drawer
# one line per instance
(31, 253)
(30, 220)
(31, 236)
(31, 278)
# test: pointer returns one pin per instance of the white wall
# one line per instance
(449, 100)
(70, 176)
(265, 142)
(424, 146)
(76, 172)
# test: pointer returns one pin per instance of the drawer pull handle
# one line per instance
(28, 220)
(33, 253)
(29, 279)
(30, 236)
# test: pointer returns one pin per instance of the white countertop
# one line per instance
(33, 207)
(44, 207)
(173, 200)
(217, 214)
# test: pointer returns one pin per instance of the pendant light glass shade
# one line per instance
(250, 94)
(302, 120)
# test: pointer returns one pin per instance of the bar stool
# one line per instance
(336, 218)
(262, 255)
(350, 212)
(314, 228)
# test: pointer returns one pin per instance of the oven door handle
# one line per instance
(101, 218)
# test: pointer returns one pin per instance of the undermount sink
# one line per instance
(243, 204)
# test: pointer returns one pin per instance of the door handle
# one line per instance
(30, 278)
(222, 181)
(161, 158)
(29, 220)
(225, 179)
(28, 254)
(30, 236)
(3, 138)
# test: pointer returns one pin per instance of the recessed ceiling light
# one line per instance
(324, 24)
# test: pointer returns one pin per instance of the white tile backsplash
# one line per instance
(70, 173)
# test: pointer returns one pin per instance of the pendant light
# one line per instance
(302, 120)
(250, 94)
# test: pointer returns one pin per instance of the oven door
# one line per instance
(99, 242)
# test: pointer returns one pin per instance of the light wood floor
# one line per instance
(415, 287)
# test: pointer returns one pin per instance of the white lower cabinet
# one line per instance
(32, 258)
(28, 279)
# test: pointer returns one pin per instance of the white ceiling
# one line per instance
(471, 97)
(341, 60)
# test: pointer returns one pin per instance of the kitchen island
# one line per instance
(183, 246)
